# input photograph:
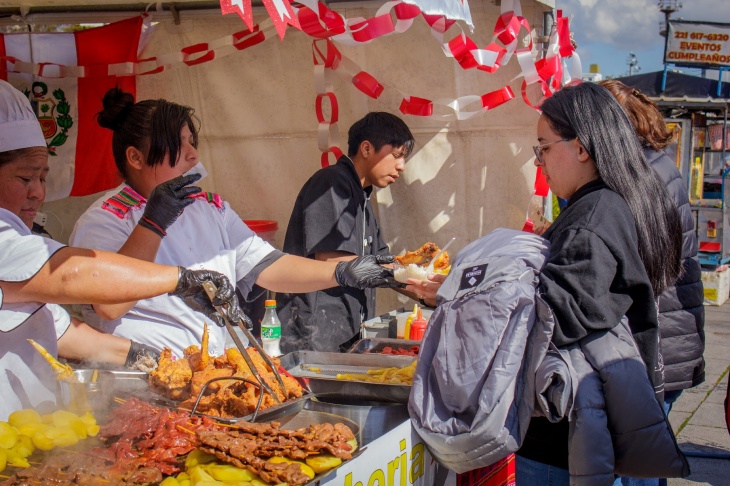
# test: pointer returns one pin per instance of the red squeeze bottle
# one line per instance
(418, 327)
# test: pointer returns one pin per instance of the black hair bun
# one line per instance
(117, 105)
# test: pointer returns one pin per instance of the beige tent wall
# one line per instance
(259, 129)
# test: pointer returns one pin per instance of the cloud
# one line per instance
(633, 24)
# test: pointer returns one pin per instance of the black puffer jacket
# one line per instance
(681, 310)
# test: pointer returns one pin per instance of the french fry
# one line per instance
(392, 376)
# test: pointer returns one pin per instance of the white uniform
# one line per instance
(26, 379)
(209, 234)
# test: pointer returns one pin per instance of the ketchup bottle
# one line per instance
(418, 326)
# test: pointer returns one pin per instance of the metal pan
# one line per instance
(317, 372)
(376, 345)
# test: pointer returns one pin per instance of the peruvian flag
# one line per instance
(80, 154)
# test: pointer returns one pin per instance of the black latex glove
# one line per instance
(190, 289)
(138, 350)
(366, 272)
(167, 202)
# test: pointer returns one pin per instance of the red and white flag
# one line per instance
(80, 154)
(451, 9)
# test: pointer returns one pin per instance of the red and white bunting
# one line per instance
(280, 12)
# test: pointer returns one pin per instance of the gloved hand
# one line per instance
(138, 350)
(167, 202)
(190, 289)
(366, 272)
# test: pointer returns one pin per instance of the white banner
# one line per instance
(698, 43)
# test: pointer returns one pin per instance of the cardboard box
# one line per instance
(717, 286)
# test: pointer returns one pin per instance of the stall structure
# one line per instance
(698, 109)
(272, 103)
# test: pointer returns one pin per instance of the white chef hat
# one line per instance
(19, 127)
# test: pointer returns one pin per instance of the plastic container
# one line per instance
(264, 228)
(271, 330)
(418, 327)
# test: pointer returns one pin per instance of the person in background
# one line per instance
(35, 271)
(156, 215)
(333, 221)
(614, 247)
(681, 306)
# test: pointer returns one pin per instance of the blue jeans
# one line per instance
(533, 473)
(669, 398)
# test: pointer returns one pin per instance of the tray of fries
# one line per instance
(367, 377)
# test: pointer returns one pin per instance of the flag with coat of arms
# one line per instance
(80, 153)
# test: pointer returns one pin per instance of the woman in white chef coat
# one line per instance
(35, 270)
(154, 145)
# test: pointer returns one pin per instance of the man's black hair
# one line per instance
(380, 129)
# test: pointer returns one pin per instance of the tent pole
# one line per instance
(664, 79)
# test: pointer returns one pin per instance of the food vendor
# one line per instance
(333, 220)
(35, 270)
(154, 145)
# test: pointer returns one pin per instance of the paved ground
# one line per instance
(698, 417)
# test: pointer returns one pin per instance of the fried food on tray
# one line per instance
(172, 377)
(183, 380)
(423, 256)
(199, 358)
(62, 371)
(393, 375)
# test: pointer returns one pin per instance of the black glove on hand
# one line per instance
(167, 202)
(365, 272)
(190, 289)
(138, 350)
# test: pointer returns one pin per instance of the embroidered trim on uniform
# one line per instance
(211, 198)
(122, 202)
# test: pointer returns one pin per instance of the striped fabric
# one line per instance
(120, 203)
(501, 473)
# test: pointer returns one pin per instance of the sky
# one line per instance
(607, 31)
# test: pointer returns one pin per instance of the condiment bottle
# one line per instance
(271, 330)
(409, 320)
(418, 327)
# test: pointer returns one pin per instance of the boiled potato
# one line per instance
(3, 459)
(8, 435)
(31, 428)
(170, 481)
(227, 472)
(24, 446)
(304, 467)
(197, 457)
(197, 474)
(15, 459)
(353, 444)
(25, 416)
(323, 462)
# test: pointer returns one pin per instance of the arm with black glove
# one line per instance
(190, 289)
(366, 272)
(167, 202)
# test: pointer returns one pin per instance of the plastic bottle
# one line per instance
(409, 321)
(418, 326)
(271, 330)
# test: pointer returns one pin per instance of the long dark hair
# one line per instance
(151, 126)
(591, 114)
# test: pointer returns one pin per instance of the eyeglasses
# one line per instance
(539, 148)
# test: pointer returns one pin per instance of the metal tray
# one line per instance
(317, 372)
(376, 345)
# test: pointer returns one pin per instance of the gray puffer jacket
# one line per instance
(473, 394)
(616, 425)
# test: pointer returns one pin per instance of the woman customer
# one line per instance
(154, 143)
(35, 270)
(681, 306)
(614, 247)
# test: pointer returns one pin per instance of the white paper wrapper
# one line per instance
(403, 273)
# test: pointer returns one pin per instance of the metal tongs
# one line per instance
(211, 290)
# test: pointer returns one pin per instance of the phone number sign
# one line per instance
(698, 43)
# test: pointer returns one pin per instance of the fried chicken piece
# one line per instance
(424, 255)
(172, 377)
(199, 358)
